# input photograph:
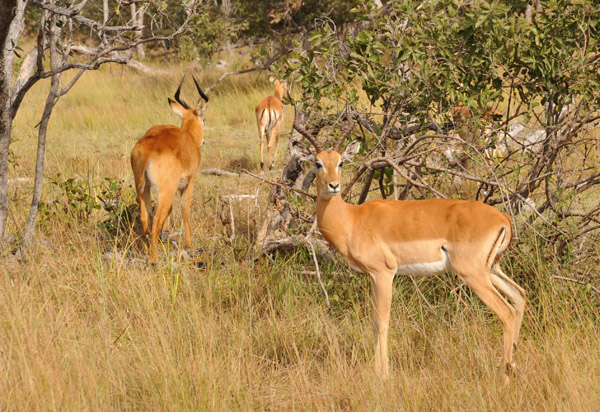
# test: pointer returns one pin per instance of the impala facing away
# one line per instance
(269, 117)
(417, 238)
(167, 159)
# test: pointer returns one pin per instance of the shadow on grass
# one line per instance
(242, 163)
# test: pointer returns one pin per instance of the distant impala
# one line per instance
(269, 116)
(167, 159)
(387, 237)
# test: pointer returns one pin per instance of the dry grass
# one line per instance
(81, 332)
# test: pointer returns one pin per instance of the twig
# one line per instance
(265, 66)
(422, 295)
(581, 282)
(219, 172)
(279, 185)
(122, 332)
(314, 256)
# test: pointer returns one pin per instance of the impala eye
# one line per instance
(341, 164)
(318, 165)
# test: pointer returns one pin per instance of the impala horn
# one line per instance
(205, 97)
(177, 98)
(345, 131)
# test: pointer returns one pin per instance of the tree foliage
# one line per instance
(405, 67)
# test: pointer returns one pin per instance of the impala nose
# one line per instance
(334, 188)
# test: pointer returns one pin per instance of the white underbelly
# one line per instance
(426, 268)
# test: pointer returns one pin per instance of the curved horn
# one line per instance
(205, 97)
(177, 98)
(306, 134)
(345, 131)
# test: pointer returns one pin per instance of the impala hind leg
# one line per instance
(163, 209)
(261, 135)
(479, 281)
(381, 300)
(276, 133)
(516, 294)
(270, 141)
(187, 195)
(145, 202)
(164, 232)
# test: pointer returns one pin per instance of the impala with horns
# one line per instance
(415, 238)
(167, 159)
(269, 117)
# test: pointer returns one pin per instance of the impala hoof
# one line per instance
(511, 370)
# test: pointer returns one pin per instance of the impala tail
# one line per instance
(270, 118)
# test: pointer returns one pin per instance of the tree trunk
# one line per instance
(279, 214)
(226, 10)
(53, 94)
(11, 26)
(140, 22)
(137, 19)
(105, 9)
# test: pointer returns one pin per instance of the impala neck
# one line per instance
(279, 92)
(193, 127)
(333, 214)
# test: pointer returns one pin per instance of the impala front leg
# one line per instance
(381, 292)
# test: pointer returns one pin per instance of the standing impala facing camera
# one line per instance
(167, 159)
(416, 238)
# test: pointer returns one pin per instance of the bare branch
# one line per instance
(265, 66)
(307, 135)
(74, 14)
(316, 262)
(279, 185)
(580, 282)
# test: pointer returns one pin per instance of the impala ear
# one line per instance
(351, 150)
(302, 152)
(177, 108)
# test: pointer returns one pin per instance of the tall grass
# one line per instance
(81, 329)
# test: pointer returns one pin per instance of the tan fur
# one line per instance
(427, 237)
(269, 117)
(167, 159)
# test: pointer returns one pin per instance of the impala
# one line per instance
(167, 159)
(416, 238)
(269, 116)
(466, 127)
